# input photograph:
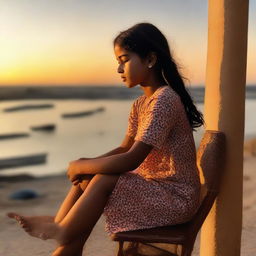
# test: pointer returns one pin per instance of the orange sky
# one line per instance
(45, 45)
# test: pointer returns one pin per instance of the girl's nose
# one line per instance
(120, 69)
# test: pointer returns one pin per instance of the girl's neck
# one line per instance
(152, 83)
(149, 90)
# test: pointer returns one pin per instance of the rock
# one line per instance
(24, 194)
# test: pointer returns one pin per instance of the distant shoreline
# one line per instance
(93, 92)
(67, 92)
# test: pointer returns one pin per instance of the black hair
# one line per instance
(144, 38)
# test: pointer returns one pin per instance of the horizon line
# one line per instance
(92, 85)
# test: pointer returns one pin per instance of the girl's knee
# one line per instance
(107, 181)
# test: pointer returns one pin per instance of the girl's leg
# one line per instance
(75, 247)
(85, 213)
(81, 218)
(74, 193)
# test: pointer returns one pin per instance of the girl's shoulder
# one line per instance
(139, 101)
(165, 92)
(164, 95)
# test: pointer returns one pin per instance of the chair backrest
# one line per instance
(210, 162)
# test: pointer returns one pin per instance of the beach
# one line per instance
(52, 190)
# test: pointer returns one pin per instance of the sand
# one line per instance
(52, 190)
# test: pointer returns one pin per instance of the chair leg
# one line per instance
(131, 249)
(186, 250)
(120, 249)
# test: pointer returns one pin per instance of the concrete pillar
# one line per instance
(224, 111)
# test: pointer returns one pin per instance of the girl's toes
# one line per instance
(20, 220)
(25, 226)
(17, 217)
(11, 215)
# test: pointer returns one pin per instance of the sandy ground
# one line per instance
(14, 241)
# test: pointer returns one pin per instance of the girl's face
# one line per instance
(132, 68)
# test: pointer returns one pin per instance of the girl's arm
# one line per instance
(124, 147)
(114, 164)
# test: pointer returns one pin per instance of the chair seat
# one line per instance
(176, 234)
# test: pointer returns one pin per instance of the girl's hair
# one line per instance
(144, 38)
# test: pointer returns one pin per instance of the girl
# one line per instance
(151, 179)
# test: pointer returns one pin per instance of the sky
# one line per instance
(70, 42)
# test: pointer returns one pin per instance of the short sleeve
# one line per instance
(132, 121)
(159, 118)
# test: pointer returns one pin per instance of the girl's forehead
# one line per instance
(119, 52)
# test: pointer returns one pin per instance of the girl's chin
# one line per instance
(129, 85)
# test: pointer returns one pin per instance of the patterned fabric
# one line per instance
(165, 188)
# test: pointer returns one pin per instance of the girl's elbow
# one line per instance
(128, 166)
(138, 153)
(134, 162)
(134, 166)
(134, 157)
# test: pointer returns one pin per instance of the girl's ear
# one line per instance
(152, 57)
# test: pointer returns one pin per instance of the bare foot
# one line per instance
(46, 218)
(42, 218)
(41, 227)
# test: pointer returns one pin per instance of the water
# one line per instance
(74, 138)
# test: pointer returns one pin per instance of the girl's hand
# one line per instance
(76, 182)
(83, 177)
(72, 172)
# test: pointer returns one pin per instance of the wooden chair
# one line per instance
(210, 161)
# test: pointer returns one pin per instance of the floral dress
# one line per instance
(165, 188)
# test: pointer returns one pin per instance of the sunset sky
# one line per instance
(53, 42)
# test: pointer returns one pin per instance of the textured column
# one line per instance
(224, 111)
